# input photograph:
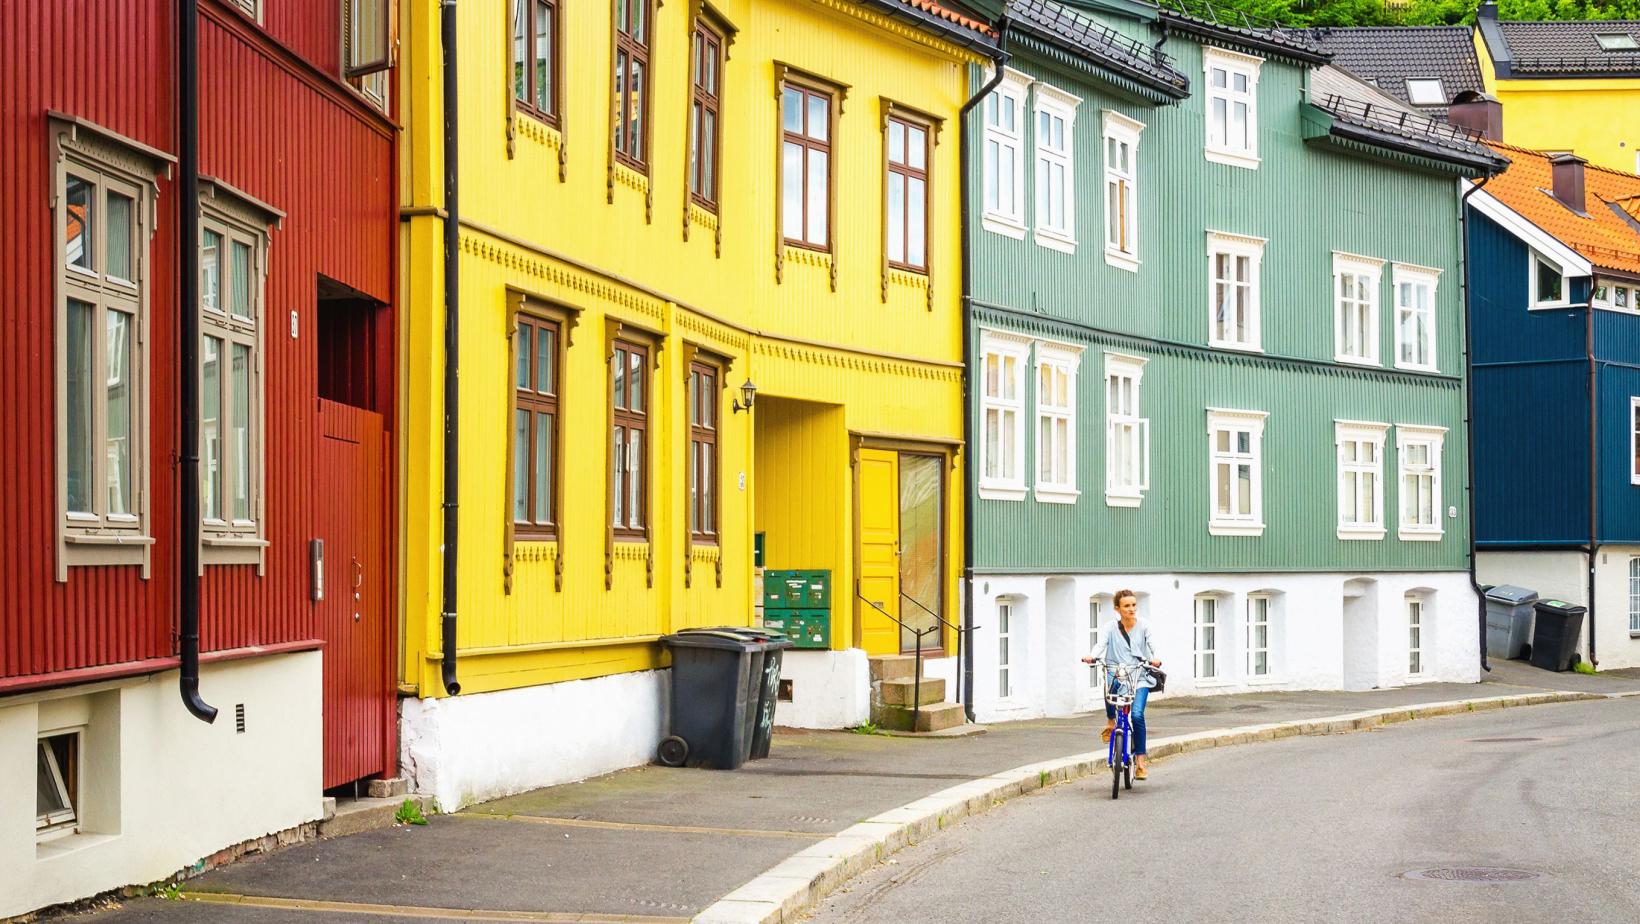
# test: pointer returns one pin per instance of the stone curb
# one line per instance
(789, 889)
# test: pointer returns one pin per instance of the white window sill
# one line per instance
(1234, 345)
(1361, 533)
(1409, 367)
(234, 542)
(1232, 158)
(1053, 240)
(51, 848)
(1356, 360)
(1421, 535)
(1549, 306)
(128, 538)
(1235, 529)
(1004, 225)
(1122, 261)
(1003, 492)
(1211, 682)
(1268, 680)
(1117, 499)
(1057, 495)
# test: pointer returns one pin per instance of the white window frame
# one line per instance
(1535, 262)
(1005, 647)
(1610, 295)
(1354, 266)
(228, 540)
(1416, 277)
(1235, 421)
(1121, 130)
(1359, 433)
(1634, 440)
(1048, 100)
(1417, 634)
(1407, 435)
(1058, 359)
(1013, 87)
(1235, 246)
(1220, 150)
(1009, 483)
(65, 822)
(1118, 493)
(1440, 91)
(1205, 657)
(1098, 618)
(1634, 596)
(1265, 604)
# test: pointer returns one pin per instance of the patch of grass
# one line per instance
(170, 891)
(1583, 667)
(410, 814)
(1042, 779)
(868, 728)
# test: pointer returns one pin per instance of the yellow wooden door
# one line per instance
(877, 476)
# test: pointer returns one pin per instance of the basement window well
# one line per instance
(57, 786)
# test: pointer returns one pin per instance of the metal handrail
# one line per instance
(916, 687)
(949, 624)
(1401, 120)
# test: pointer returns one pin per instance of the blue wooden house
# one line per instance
(1554, 300)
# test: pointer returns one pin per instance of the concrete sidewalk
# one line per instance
(653, 843)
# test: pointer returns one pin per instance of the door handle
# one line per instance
(358, 581)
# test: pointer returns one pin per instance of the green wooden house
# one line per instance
(1216, 342)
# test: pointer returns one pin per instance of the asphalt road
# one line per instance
(1307, 830)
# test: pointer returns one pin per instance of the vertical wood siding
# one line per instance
(1307, 203)
(270, 127)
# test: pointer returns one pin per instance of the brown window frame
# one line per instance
(355, 64)
(529, 398)
(633, 48)
(707, 38)
(633, 356)
(804, 140)
(904, 169)
(705, 383)
(524, 77)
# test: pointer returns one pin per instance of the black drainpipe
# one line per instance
(971, 469)
(188, 356)
(1594, 461)
(452, 344)
(1469, 412)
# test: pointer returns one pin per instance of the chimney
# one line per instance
(1567, 170)
(1481, 112)
(1488, 10)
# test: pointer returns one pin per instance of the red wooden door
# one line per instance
(355, 616)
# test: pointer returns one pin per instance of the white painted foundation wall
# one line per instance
(829, 689)
(467, 749)
(1312, 645)
(1561, 575)
(160, 790)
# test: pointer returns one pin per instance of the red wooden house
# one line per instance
(288, 337)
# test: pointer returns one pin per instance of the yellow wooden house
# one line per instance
(707, 277)
(1565, 85)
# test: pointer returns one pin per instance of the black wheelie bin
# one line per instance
(719, 678)
(1555, 633)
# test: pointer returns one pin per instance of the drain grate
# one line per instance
(1473, 874)
(1501, 740)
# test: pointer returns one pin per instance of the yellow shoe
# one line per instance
(1105, 735)
(1140, 774)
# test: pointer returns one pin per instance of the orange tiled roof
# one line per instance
(1605, 237)
(947, 13)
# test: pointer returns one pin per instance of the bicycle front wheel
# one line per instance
(1118, 759)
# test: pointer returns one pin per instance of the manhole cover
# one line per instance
(1473, 874)
(1501, 740)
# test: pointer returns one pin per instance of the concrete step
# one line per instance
(903, 692)
(355, 816)
(937, 717)
(894, 667)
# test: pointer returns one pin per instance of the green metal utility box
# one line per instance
(797, 604)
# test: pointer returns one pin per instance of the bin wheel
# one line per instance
(673, 751)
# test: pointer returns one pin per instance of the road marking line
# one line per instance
(636, 826)
(421, 911)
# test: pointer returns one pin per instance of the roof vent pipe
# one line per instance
(1567, 171)
(1481, 112)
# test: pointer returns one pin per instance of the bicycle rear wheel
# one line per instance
(1127, 775)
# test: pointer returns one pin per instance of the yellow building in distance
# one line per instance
(1565, 85)
(669, 211)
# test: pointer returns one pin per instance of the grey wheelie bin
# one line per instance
(1508, 620)
(718, 681)
(769, 692)
(1554, 638)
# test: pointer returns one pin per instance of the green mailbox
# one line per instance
(804, 628)
(797, 604)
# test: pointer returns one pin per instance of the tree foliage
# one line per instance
(1299, 13)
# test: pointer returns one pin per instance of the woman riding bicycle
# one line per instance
(1128, 643)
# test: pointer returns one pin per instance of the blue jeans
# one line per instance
(1140, 697)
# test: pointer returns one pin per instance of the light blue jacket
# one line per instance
(1117, 650)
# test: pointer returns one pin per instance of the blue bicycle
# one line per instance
(1120, 681)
